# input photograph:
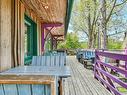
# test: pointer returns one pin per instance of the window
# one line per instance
(30, 42)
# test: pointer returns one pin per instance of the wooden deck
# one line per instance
(82, 81)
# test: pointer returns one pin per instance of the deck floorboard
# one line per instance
(82, 81)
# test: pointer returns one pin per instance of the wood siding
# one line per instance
(12, 32)
(5, 34)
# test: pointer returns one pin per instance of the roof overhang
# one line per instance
(52, 12)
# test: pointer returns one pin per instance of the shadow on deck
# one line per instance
(82, 81)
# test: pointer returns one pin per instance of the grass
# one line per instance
(121, 89)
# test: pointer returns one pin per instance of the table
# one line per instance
(63, 71)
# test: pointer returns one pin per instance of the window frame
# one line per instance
(31, 40)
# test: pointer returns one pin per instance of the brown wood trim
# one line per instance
(61, 86)
(26, 79)
(53, 88)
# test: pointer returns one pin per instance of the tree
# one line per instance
(108, 8)
(72, 42)
(86, 15)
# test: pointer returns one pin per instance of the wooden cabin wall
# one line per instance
(12, 33)
(20, 11)
(5, 34)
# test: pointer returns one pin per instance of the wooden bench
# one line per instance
(48, 61)
(88, 58)
(51, 61)
(58, 72)
(27, 85)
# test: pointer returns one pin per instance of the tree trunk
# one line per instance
(94, 40)
(104, 25)
(89, 28)
(90, 43)
(125, 41)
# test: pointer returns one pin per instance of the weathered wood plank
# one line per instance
(1, 90)
(82, 81)
(10, 89)
(5, 34)
(36, 90)
(48, 61)
(28, 85)
(47, 90)
(24, 89)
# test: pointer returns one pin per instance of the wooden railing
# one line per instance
(102, 71)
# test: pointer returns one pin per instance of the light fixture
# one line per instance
(46, 7)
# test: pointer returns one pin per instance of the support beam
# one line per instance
(45, 26)
(58, 35)
(52, 25)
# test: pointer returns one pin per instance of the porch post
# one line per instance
(43, 38)
(55, 43)
(126, 68)
(52, 43)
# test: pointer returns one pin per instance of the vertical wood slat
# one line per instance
(24, 89)
(38, 90)
(16, 33)
(62, 61)
(52, 60)
(38, 61)
(1, 90)
(10, 89)
(48, 60)
(57, 60)
(34, 60)
(43, 61)
(22, 32)
(47, 90)
(18, 43)
(27, 85)
(12, 31)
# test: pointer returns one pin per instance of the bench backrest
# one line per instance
(33, 86)
(88, 54)
(24, 89)
(48, 61)
(54, 53)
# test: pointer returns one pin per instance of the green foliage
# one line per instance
(72, 42)
(84, 45)
(87, 18)
(123, 90)
(113, 44)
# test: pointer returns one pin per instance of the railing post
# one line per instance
(126, 61)
(95, 62)
(42, 39)
(126, 68)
